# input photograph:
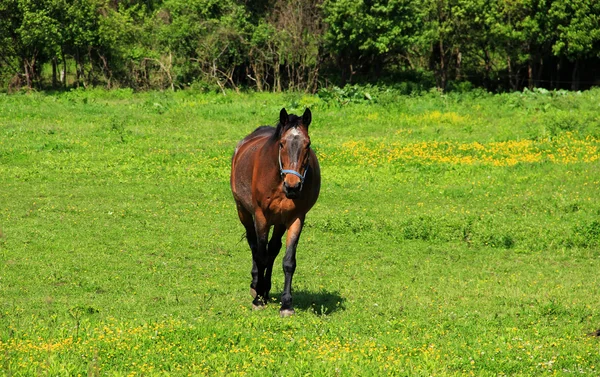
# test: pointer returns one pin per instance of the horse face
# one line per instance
(294, 151)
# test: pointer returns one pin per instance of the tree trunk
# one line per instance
(513, 81)
(277, 75)
(343, 74)
(27, 73)
(458, 64)
(82, 73)
(77, 68)
(539, 72)
(559, 69)
(488, 68)
(63, 76)
(90, 76)
(54, 72)
(575, 76)
(169, 72)
(311, 86)
(443, 74)
(30, 73)
(257, 76)
(106, 71)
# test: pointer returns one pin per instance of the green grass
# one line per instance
(454, 235)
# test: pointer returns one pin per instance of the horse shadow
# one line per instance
(319, 303)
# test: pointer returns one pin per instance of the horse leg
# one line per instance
(289, 265)
(272, 252)
(248, 222)
(260, 260)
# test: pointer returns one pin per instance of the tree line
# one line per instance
(277, 45)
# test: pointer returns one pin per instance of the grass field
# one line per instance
(455, 235)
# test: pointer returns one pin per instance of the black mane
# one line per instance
(293, 121)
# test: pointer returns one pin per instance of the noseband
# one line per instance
(283, 171)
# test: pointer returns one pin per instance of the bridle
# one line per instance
(283, 171)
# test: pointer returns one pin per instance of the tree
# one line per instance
(577, 26)
(10, 20)
(363, 35)
(207, 37)
(35, 37)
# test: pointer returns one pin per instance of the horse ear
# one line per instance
(283, 119)
(306, 118)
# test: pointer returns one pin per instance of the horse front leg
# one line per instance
(289, 266)
(260, 261)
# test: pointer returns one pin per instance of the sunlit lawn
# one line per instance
(454, 235)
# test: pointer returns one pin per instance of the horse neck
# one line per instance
(269, 157)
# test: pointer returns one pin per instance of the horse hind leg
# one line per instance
(260, 260)
(248, 222)
(273, 249)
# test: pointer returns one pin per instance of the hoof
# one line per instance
(252, 292)
(259, 303)
(286, 312)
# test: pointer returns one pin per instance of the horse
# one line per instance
(275, 181)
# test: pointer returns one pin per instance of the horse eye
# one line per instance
(280, 145)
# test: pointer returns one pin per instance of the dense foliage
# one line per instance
(278, 45)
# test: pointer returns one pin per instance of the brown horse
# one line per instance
(275, 180)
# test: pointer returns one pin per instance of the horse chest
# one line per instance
(281, 209)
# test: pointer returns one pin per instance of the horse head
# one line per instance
(294, 151)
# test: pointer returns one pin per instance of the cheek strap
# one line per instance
(283, 171)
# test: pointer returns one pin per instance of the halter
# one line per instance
(283, 171)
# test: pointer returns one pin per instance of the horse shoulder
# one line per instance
(243, 170)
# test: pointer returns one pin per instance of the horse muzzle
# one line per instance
(292, 191)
